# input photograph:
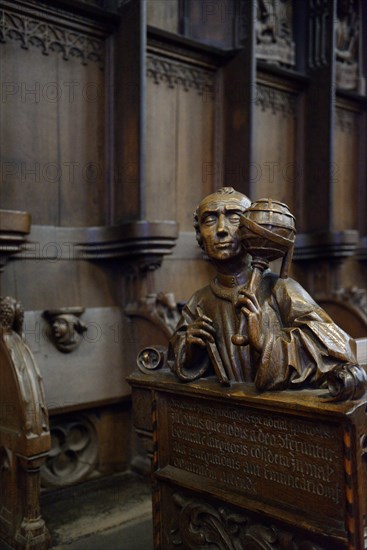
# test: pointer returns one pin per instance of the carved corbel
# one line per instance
(14, 226)
(66, 328)
(160, 309)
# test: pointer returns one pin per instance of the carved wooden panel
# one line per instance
(196, 522)
(163, 14)
(348, 45)
(101, 349)
(181, 163)
(180, 134)
(52, 111)
(243, 470)
(73, 454)
(346, 170)
(276, 169)
(274, 32)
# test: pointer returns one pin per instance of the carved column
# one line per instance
(32, 530)
(320, 115)
(239, 84)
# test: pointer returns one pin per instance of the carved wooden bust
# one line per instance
(250, 324)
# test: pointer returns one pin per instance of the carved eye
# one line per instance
(234, 218)
(210, 219)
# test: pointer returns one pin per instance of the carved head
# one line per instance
(216, 222)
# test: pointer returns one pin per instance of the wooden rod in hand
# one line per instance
(258, 267)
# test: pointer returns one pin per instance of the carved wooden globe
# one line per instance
(267, 230)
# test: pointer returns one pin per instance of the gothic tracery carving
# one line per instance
(275, 100)
(346, 121)
(50, 38)
(74, 452)
(176, 74)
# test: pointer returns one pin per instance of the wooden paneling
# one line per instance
(275, 168)
(52, 137)
(183, 277)
(29, 134)
(54, 283)
(345, 181)
(163, 14)
(73, 380)
(82, 146)
(195, 143)
(161, 155)
(180, 138)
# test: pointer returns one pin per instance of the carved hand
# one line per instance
(200, 331)
(250, 307)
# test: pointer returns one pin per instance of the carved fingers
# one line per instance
(249, 307)
(200, 331)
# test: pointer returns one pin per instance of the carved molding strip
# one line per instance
(333, 244)
(141, 240)
(176, 74)
(50, 37)
(277, 101)
(14, 226)
(345, 121)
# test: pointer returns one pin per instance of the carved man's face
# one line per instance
(219, 219)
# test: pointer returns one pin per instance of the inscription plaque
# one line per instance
(289, 466)
(279, 459)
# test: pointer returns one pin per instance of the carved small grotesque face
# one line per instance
(61, 329)
(219, 219)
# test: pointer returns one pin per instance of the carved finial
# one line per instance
(11, 315)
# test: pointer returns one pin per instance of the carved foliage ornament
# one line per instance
(346, 121)
(50, 38)
(201, 525)
(160, 309)
(275, 100)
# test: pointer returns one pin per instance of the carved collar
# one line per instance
(232, 281)
(226, 286)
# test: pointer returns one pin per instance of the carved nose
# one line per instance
(222, 226)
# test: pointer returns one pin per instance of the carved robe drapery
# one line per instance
(301, 342)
